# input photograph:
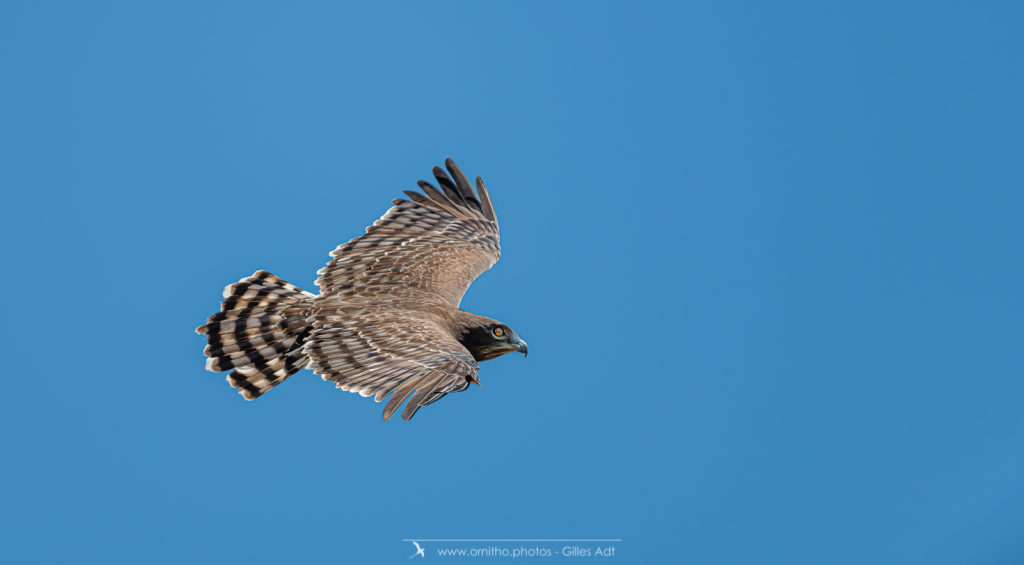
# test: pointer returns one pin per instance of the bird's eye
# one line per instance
(498, 331)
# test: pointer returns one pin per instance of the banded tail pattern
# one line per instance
(259, 333)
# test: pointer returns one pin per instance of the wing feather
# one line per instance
(462, 183)
(449, 188)
(485, 201)
(424, 388)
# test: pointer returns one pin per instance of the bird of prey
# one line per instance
(387, 319)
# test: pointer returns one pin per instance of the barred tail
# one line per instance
(258, 333)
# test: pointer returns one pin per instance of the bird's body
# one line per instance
(387, 319)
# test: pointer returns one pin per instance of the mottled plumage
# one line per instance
(387, 319)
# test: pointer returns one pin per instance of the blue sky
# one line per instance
(767, 258)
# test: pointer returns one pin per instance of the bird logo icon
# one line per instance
(419, 550)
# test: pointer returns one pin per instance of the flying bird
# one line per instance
(419, 551)
(387, 320)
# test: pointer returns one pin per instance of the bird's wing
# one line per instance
(382, 351)
(429, 248)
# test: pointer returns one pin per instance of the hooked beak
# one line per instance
(522, 348)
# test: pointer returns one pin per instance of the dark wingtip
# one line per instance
(462, 184)
(451, 190)
(486, 206)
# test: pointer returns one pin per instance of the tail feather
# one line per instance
(259, 333)
(251, 381)
(280, 342)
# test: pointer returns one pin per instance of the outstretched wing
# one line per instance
(431, 247)
(373, 330)
(384, 352)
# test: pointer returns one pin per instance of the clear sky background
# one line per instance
(768, 260)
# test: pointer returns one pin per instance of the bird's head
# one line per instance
(488, 339)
